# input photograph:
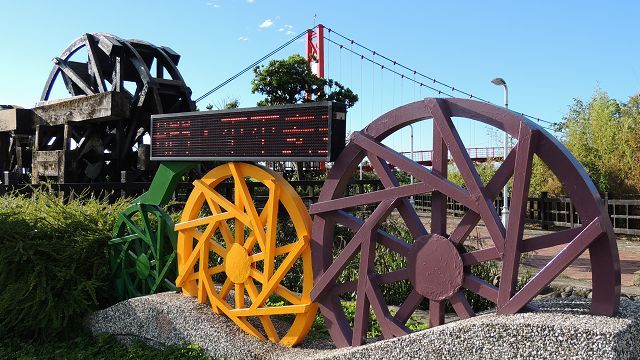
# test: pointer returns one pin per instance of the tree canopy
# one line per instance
(291, 81)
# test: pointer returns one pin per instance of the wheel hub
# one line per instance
(436, 269)
(237, 264)
(143, 266)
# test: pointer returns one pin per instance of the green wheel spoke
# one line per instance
(142, 251)
(122, 239)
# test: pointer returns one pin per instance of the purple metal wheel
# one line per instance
(437, 270)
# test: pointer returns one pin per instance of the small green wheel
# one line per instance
(142, 252)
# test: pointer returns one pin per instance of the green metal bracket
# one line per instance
(164, 183)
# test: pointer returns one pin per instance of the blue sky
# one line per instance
(549, 52)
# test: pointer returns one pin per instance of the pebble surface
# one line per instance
(562, 329)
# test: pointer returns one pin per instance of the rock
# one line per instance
(562, 328)
(636, 278)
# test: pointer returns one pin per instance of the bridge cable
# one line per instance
(432, 79)
(251, 66)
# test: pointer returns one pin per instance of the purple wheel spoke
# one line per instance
(382, 237)
(470, 219)
(471, 178)
(387, 278)
(336, 321)
(560, 262)
(435, 182)
(368, 198)
(390, 326)
(513, 240)
(461, 305)
(480, 287)
(478, 256)
(361, 319)
(549, 240)
(409, 305)
(407, 212)
(362, 235)
(436, 313)
(439, 162)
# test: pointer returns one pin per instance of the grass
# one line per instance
(86, 346)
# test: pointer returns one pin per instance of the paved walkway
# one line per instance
(579, 272)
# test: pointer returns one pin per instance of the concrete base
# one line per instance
(562, 329)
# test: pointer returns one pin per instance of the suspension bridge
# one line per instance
(382, 84)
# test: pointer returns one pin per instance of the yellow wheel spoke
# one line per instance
(191, 261)
(272, 225)
(288, 295)
(210, 272)
(252, 290)
(239, 295)
(202, 221)
(225, 289)
(257, 228)
(224, 228)
(275, 310)
(267, 324)
(226, 204)
(287, 263)
(279, 251)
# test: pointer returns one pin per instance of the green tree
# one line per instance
(604, 135)
(224, 104)
(291, 81)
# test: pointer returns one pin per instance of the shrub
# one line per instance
(53, 263)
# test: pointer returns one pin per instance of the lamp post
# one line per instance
(411, 127)
(505, 190)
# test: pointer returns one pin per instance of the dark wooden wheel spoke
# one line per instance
(442, 120)
(461, 305)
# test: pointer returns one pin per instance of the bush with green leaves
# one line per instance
(89, 347)
(53, 261)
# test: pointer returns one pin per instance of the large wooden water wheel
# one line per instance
(436, 264)
(134, 76)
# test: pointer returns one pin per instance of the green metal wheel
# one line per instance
(142, 252)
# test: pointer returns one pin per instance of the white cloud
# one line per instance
(242, 38)
(289, 32)
(265, 24)
(281, 30)
(289, 26)
(217, 6)
(251, 1)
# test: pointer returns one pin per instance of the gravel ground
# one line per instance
(563, 329)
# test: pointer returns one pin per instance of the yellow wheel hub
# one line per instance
(237, 264)
(230, 257)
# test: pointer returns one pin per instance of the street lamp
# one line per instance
(411, 127)
(505, 190)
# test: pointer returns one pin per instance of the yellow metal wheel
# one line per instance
(230, 243)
